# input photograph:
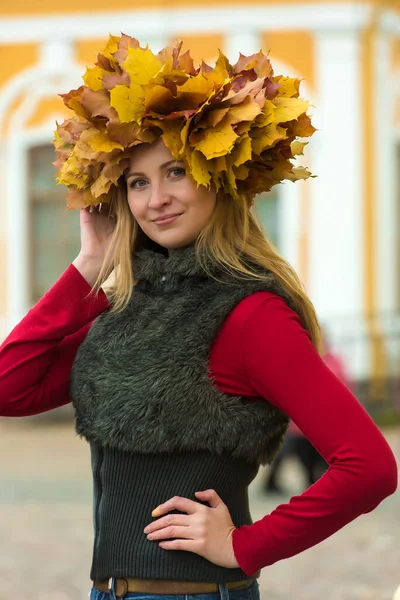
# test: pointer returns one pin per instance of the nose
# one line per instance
(159, 197)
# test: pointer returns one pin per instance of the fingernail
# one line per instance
(145, 530)
(156, 512)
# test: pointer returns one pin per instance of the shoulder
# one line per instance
(263, 305)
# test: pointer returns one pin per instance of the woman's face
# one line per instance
(166, 203)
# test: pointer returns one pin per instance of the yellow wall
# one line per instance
(27, 7)
(16, 58)
(295, 49)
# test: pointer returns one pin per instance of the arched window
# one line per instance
(54, 231)
(267, 206)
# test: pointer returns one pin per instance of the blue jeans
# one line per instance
(249, 593)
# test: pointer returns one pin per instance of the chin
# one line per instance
(171, 239)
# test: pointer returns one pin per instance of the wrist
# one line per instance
(89, 268)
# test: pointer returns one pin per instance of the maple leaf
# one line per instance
(242, 151)
(128, 102)
(97, 104)
(297, 147)
(287, 109)
(258, 62)
(124, 44)
(198, 168)
(287, 86)
(217, 141)
(141, 65)
(101, 142)
(93, 78)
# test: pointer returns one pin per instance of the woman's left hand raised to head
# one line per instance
(204, 530)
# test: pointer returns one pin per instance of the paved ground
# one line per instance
(46, 528)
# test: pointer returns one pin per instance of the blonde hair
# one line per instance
(233, 238)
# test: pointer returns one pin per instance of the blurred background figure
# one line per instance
(296, 444)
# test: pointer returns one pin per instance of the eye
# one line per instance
(137, 183)
(177, 172)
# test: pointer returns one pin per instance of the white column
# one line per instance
(156, 41)
(386, 203)
(56, 55)
(17, 232)
(247, 42)
(336, 236)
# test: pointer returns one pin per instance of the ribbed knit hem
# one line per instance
(128, 486)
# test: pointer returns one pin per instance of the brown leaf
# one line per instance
(110, 81)
(124, 44)
(185, 63)
(73, 101)
(259, 62)
(123, 133)
(104, 63)
(97, 104)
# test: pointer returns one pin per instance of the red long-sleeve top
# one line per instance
(262, 351)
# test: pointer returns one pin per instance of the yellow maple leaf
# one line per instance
(246, 111)
(168, 72)
(221, 72)
(297, 147)
(100, 186)
(102, 143)
(217, 141)
(196, 88)
(198, 167)
(266, 137)
(300, 173)
(69, 178)
(157, 98)
(215, 116)
(128, 102)
(241, 152)
(141, 65)
(288, 109)
(288, 86)
(172, 135)
(93, 78)
(111, 46)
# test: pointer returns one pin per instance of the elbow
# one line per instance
(380, 480)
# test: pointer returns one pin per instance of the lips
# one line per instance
(167, 218)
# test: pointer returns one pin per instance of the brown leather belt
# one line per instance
(163, 586)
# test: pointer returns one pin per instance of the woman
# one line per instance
(183, 381)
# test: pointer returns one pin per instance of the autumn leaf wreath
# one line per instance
(235, 126)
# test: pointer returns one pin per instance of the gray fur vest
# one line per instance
(141, 383)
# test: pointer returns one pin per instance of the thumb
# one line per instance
(211, 497)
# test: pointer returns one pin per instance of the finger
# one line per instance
(167, 521)
(211, 497)
(186, 545)
(177, 503)
(173, 531)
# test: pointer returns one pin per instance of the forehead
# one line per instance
(149, 155)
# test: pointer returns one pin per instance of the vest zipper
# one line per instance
(99, 496)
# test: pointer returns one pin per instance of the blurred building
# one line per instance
(340, 230)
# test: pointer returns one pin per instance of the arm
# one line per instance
(37, 356)
(279, 363)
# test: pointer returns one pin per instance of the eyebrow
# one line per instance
(163, 166)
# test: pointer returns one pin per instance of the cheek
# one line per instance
(136, 208)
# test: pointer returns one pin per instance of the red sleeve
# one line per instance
(273, 358)
(36, 358)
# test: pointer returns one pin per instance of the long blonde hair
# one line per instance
(233, 237)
